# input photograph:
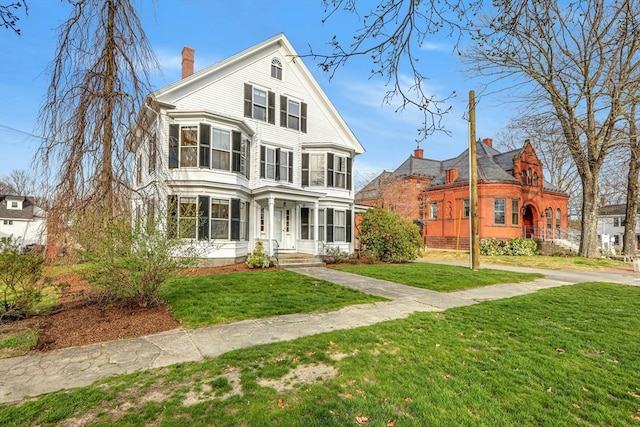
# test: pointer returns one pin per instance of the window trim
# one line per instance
(496, 212)
(276, 69)
(515, 212)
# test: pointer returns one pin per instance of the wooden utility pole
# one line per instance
(474, 249)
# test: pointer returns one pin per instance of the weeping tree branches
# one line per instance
(8, 17)
(583, 61)
(99, 79)
(392, 36)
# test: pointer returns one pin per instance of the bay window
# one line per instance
(189, 146)
(220, 149)
(205, 217)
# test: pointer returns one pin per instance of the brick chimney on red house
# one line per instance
(187, 61)
(450, 175)
(488, 141)
(418, 153)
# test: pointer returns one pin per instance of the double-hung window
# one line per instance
(340, 172)
(498, 211)
(187, 217)
(259, 104)
(220, 149)
(434, 210)
(515, 212)
(467, 208)
(313, 169)
(306, 223)
(293, 114)
(188, 146)
(547, 213)
(219, 219)
(340, 226)
(153, 153)
(276, 164)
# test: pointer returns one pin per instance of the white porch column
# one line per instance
(271, 221)
(316, 206)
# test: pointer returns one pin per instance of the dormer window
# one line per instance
(276, 69)
(14, 204)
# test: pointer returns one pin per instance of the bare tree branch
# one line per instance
(8, 17)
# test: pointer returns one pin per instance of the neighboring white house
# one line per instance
(247, 149)
(611, 223)
(22, 220)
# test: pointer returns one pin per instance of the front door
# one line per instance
(527, 222)
(282, 228)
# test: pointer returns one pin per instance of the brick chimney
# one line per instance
(450, 175)
(418, 153)
(187, 61)
(488, 141)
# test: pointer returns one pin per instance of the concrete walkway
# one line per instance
(39, 373)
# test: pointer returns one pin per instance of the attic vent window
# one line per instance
(276, 69)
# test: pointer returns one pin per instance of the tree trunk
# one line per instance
(629, 243)
(590, 204)
(108, 101)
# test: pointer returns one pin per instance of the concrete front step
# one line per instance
(299, 260)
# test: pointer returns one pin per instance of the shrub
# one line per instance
(389, 236)
(258, 258)
(132, 262)
(369, 257)
(21, 281)
(333, 254)
(515, 247)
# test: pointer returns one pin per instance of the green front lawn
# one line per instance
(441, 278)
(224, 298)
(565, 356)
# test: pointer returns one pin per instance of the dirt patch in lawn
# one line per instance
(78, 320)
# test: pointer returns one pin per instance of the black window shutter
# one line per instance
(329, 225)
(277, 164)
(303, 117)
(246, 225)
(203, 217)
(271, 108)
(329, 169)
(174, 145)
(205, 145)
(248, 100)
(235, 219)
(283, 111)
(236, 139)
(290, 160)
(349, 174)
(349, 226)
(247, 161)
(262, 161)
(172, 217)
(305, 169)
(304, 223)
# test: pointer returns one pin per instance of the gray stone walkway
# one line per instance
(39, 373)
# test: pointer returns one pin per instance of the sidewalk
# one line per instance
(80, 366)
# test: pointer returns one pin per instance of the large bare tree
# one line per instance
(582, 60)
(99, 79)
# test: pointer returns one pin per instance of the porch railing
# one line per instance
(545, 234)
(275, 246)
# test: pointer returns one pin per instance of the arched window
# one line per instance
(558, 218)
(535, 179)
(529, 176)
(548, 214)
(276, 69)
(524, 177)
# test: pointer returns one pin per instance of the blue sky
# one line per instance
(218, 29)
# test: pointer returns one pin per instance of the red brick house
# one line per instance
(514, 199)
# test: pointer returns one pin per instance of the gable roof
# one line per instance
(169, 94)
(29, 209)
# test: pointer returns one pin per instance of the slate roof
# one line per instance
(614, 210)
(28, 211)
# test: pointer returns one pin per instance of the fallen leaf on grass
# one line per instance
(575, 405)
(361, 419)
(549, 390)
(437, 345)
(281, 403)
(634, 394)
(390, 423)
(360, 391)
(332, 343)
(559, 350)
(408, 399)
(447, 376)
(348, 396)
(635, 417)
